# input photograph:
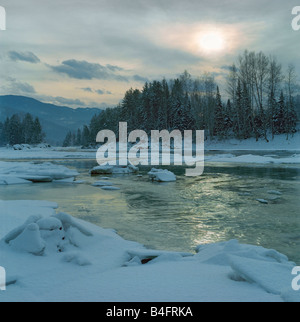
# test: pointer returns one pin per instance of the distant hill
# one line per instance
(56, 120)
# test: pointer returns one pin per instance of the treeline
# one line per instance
(82, 137)
(261, 96)
(259, 103)
(18, 130)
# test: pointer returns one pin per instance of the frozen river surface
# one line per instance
(218, 206)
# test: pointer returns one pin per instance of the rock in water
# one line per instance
(161, 175)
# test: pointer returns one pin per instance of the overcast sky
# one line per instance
(88, 53)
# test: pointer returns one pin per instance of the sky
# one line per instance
(88, 53)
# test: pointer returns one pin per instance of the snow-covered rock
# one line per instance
(161, 175)
(19, 147)
(43, 234)
(29, 240)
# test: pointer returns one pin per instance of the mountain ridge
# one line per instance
(56, 120)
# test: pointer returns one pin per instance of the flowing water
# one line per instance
(218, 206)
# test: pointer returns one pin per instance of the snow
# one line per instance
(279, 142)
(29, 240)
(256, 159)
(161, 175)
(27, 172)
(51, 256)
(45, 153)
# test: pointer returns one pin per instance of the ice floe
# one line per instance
(161, 175)
(25, 172)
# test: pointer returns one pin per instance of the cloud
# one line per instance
(85, 70)
(114, 68)
(68, 101)
(16, 87)
(141, 79)
(102, 92)
(60, 101)
(28, 57)
(97, 91)
(87, 89)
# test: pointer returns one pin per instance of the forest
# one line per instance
(260, 102)
(18, 130)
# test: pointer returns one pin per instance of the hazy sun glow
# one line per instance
(212, 41)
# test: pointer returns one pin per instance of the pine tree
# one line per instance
(28, 129)
(68, 139)
(38, 135)
(219, 124)
(238, 112)
(228, 118)
(247, 126)
(2, 135)
(86, 138)
(78, 138)
(15, 135)
(290, 118)
(177, 97)
(279, 118)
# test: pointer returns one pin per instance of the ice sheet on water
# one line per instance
(161, 175)
(26, 172)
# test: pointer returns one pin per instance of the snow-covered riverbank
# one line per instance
(93, 264)
(44, 152)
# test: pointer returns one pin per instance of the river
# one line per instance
(218, 206)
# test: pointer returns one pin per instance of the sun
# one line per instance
(212, 42)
